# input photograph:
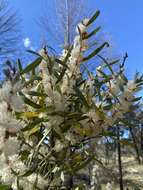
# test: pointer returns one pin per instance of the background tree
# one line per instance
(9, 31)
(65, 17)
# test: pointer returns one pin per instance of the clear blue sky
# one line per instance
(120, 19)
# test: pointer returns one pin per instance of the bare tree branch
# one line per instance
(9, 32)
(61, 26)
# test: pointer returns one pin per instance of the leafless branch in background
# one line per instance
(61, 27)
(9, 32)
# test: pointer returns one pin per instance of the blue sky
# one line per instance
(121, 21)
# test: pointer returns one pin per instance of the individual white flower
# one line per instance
(109, 186)
(55, 121)
(59, 101)
(70, 137)
(93, 115)
(127, 96)
(14, 184)
(17, 103)
(126, 106)
(65, 85)
(4, 115)
(44, 150)
(131, 85)
(64, 53)
(2, 131)
(58, 146)
(75, 52)
(2, 162)
(85, 21)
(11, 146)
(77, 41)
(84, 45)
(114, 88)
(26, 185)
(43, 66)
(47, 85)
(16, 164)
(49, 101)
(7, 176)
(108, 121)
(32, 178)
(6, 91)
(117, 113)
(41, 182)
(2, 141)
(98, 69)
(17, 86)
(14, 125)
(42, 52)
(82, 27)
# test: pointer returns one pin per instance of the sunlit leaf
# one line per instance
(32, 66)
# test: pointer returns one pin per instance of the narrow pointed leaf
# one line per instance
(19, 65)
(93, 18)
(94, 32)
(4, 187)
(95, 52)
(32, 66)
(64, 68)
(30, 102)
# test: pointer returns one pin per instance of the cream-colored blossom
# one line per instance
(93, 115)
(131, 85)
(59, 146)
(82, 27)
(6, 91)
(17, 103)
(16, 164)
(11, 146)
(85, 21)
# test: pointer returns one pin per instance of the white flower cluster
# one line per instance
(54, 114)
(10, 162)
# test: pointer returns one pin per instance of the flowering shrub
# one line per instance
(50, 110)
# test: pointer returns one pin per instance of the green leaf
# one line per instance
(24, 155)
(34, 93)
(33, 124)
(103, 74)
(30, 102)
(93, 18)
(95, 52)
(32, 66)
(32, 131)
(83, 164)
(19, 65)
(94, 32)
(137, 188)
(26, 174)
(81, 96)
(64, 67)
(106, 63)
(33, 78)
(5, 187)
(27, 114)
(34, 53)
(108, 134)
(137, 99)
(61, 62)
(114, 62)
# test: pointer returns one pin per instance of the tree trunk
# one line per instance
(142, 141)
(135, 145)
(119, 159)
